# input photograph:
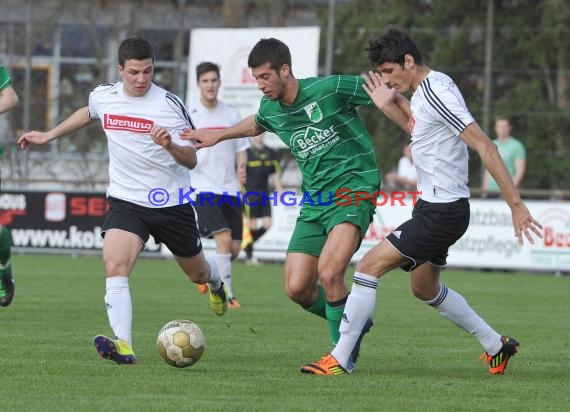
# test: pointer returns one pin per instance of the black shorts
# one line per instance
(219, 213)
(257, 206)
(433, 228)
(175, 226)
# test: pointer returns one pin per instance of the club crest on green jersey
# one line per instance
(314, 112)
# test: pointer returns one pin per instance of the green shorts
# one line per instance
(312, 227)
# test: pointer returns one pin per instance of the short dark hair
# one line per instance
(271, 51)
(503, 117)
(135, 48)
(206, 67)
(391, 47)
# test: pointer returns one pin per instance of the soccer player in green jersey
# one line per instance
(317, 119)
(8, 100)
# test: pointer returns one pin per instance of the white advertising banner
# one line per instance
(229, 48)
(488, 243)
(490, 239)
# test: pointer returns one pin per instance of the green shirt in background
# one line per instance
(510, 150)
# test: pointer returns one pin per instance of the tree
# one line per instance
(530, 69)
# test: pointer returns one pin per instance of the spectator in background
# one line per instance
(405, 177)
(262, 164)
(511, 150)
(8, 100)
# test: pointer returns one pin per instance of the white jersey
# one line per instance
(406, 169)
(439, 117)
(216, 169)
(137, 165)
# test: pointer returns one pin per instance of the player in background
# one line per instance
(316, 118)
(148, 165)
(442, 128)
(262, 166)
(8, 100)
(217, 178)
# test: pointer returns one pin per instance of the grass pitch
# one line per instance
(412, 360)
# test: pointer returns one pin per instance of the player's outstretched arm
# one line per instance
(395, 106)
(523, 222)
(76, 121)
(206, 138)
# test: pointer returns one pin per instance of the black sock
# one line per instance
(257, 233)
(249, 250)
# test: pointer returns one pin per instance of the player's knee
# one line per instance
(423, 293)
(298, 293)
(363, 267)
(224, 242)
(330, 278)
(293, 292)
(235, 251)
(372, 267)
(115, 267)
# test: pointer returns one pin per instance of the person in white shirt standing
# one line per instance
(441, 128)
(148, 168)
(405, 177)
(220, 171)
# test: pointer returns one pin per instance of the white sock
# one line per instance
(214, 282)
(119, 307)
(359, 307)
(224, 262)
(455, 308)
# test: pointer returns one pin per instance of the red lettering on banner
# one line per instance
(126, 123)
(88, 206)
(246, 77)
(7, 216)
(373, 234)
(556, 239)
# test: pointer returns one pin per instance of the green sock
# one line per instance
(318, 308)
(5, 245)
(334, 312)
(4, 256)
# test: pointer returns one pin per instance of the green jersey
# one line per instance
(325, 134)
(510, 150)
(4, 78)
(4, 82)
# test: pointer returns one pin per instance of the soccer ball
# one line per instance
(180, 343)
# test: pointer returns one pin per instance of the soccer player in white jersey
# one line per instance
(441, 128)
(217, 178)
(148, 165)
